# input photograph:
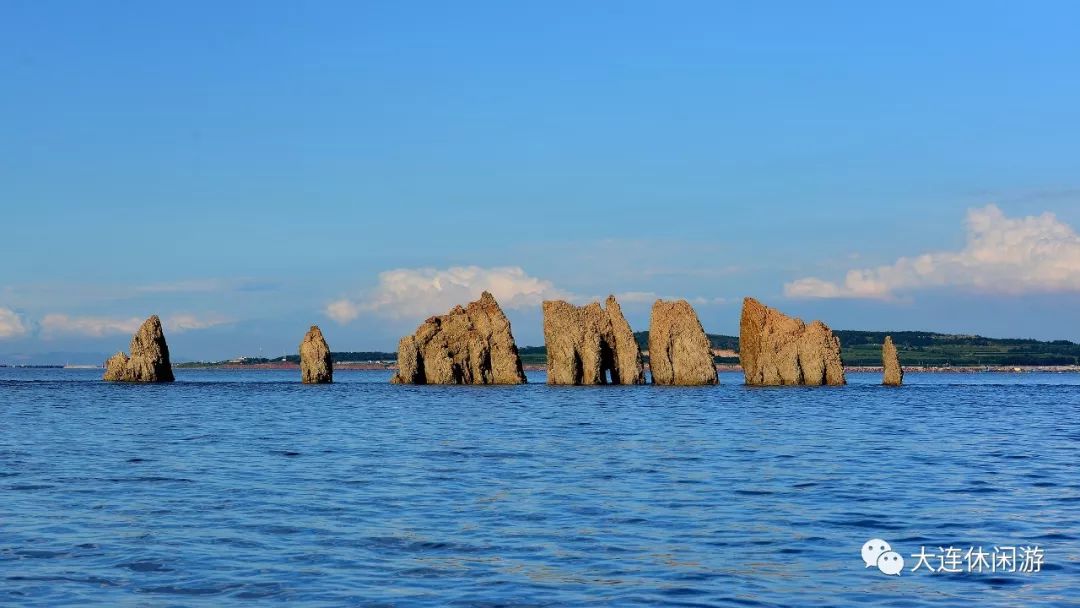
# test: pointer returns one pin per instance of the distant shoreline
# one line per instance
(532, 367)
(1000, 369)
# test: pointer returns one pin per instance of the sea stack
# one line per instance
(590, 344)
(149, 360)
(679, 350)
(775, 349)
(893, 374)
(316, 367)
(471, 345)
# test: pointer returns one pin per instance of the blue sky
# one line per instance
(247, 169)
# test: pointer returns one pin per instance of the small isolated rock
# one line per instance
(316, 366)
(149, 360)
(590, 344)
(679, 350)
(775, 349)
(471, 345)
(893, 374)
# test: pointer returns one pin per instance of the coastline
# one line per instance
(914, 369)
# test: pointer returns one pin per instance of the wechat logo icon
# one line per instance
(876, 552)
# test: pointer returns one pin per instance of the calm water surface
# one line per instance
(239, 487)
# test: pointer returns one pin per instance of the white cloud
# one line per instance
(11, 324)
(187, 322)
(342, 310)
(95, 327)
(418, 292)
(1002, 255)
(58, 324)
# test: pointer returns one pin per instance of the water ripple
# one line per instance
(228, 487)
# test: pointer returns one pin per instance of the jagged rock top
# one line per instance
(470, 345)
(316, 366)
(679, 349)
(775, 349)
(149, 360)
(590, 344)
(892, 373)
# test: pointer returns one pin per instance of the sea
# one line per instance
(231, 488)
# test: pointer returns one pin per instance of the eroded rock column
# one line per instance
(590, 344)
(470, 345)
(149, 360)
(679, 349)
(775, 349)
(316, 365)
(892, 373)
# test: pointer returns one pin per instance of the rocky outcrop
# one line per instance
(316, 367)
(149, 360)
(471, 345)
(590, 344)
(893, 374)
(679, 350)
(776, 349)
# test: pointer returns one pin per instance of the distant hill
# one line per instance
(934, 349)
(717, 341)
(863, 348)
(342, 357)
(858, 348)
(354, 357)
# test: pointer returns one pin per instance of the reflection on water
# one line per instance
(231, 486)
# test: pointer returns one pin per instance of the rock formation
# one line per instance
(471, 345)
(149, 361)
(316, 367)
(679, 350)
(777, 349)
(590, 344)
(893, 374)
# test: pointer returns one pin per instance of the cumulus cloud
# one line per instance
(59, 324)
(342, 310)
(12, 324)
(188, 322)
(413, 292)
(1002, 254)
(95, 327)
(418, 292)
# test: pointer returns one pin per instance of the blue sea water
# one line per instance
(230, 488)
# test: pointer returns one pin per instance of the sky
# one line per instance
(247, 169)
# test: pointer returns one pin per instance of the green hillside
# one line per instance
(863, 348)
(928, 348)
(859, 348)
(342, 357)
